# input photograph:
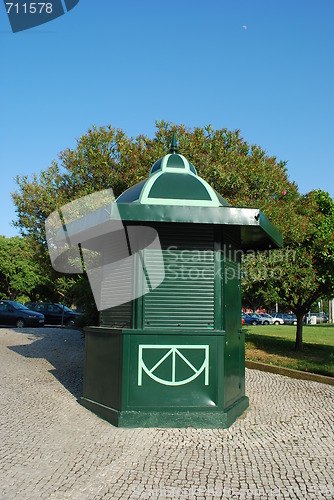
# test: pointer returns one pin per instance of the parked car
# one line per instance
(284, 319)
(53, 313)
(277, 319)
(14, 313)
(320, 317)
(250, 319)
(266, 319)
(290, 319)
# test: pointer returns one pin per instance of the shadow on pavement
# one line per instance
(62, 348)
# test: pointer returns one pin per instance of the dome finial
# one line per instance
(173, 147)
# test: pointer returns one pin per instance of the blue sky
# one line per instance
(265, 67)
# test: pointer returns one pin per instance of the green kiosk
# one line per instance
(174, 354)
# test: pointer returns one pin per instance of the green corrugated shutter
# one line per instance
(185, 299)
(117, 317)
(119, 282)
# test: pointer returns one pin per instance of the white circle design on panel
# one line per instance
(174, 351)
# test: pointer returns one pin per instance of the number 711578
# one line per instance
(29, 8)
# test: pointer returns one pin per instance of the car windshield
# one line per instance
(65, 308)
(18, 306)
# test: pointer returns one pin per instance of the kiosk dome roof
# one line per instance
(173, 180)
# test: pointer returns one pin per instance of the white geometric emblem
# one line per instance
(174, 351)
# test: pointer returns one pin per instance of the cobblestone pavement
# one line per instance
(51, 447)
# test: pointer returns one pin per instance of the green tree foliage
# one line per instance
(242, 173)
(304, 270)
(81, 295)
(21, 276)
(107, 158)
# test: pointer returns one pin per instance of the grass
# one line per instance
(274, 344)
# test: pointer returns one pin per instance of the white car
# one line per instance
(278, 319)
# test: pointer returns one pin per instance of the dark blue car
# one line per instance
(54, 314)
(15, 314)
(249, 319)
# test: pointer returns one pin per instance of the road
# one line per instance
(52, 447)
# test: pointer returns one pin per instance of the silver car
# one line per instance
(266, 319)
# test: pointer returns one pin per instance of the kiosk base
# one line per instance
(205, 419)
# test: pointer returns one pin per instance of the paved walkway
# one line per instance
(51, 447)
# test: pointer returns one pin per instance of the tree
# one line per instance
(21, 276)
(80, 293)
(106, 158)
(303, 271)
(256, 294)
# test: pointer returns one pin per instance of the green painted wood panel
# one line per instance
(232, 323)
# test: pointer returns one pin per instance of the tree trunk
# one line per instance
(299, 333)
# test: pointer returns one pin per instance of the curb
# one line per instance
(289, 372)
